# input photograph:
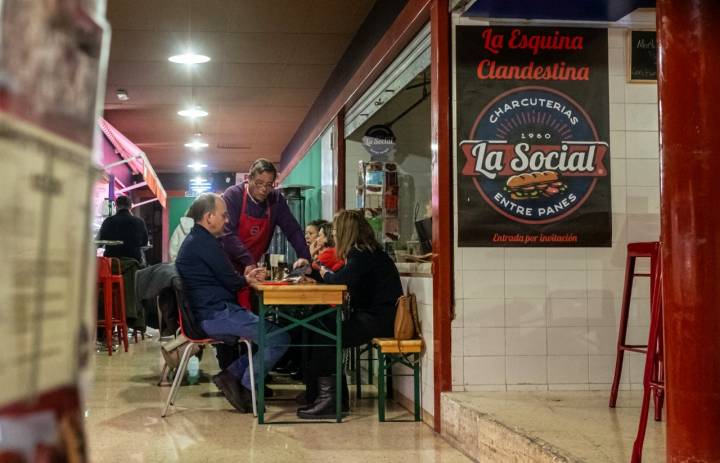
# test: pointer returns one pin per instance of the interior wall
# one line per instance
(308, 172)
(538, 319)
(177, 207)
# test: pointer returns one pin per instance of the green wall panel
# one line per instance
(177, 207)
(307, 172)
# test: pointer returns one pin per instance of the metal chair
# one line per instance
(191, 329)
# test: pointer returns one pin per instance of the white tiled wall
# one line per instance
(531, 319)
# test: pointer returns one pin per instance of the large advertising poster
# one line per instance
(533, 162)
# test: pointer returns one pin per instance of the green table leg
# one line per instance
(370, 363)
(358, 375)
(261, 364)
(416, 380)
(339, 370)
(381, 385)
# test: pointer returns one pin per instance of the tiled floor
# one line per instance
(124, 424)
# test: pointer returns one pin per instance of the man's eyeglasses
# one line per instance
(263, 185)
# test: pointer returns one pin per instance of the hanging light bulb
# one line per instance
(197, 166)
(196, 145)
(189, 58)
(193, 112)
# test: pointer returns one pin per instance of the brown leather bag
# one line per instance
(406, 306)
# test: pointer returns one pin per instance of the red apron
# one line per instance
(255, 235)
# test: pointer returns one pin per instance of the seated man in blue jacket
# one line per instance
(211, 283)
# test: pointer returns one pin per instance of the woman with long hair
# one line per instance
(374, 286)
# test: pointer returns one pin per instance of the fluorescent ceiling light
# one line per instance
(193, 112)
(196, 145)
(197, 167)
(189, 58)
(122, 94)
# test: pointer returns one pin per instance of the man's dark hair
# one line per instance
(123, 202)
(203, 204)
(262, 165)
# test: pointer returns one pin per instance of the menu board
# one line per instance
(53, 57)
(44, 222)
(643, 56)
(533, 154)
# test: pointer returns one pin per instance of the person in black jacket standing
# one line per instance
(125, 227)
(374, 285)
(131, 230)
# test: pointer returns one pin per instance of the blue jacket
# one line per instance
(207, 274)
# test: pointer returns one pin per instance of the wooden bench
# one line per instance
(391, 351)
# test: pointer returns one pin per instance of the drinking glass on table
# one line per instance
(262, 263)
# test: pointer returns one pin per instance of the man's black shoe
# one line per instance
(234, 392)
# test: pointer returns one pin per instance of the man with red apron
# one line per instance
(255, 208)
(255, 234)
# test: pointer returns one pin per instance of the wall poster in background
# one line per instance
(533, 161)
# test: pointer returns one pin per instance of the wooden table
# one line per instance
(279, 297)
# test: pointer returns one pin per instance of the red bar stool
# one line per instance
(113, 290)
(634, 250)
(653, 378)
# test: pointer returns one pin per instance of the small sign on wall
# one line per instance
(642, 55)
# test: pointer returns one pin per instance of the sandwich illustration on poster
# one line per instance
(533, 156)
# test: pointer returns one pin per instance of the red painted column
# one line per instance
(340, 160)
(442, 208)
(689, 99)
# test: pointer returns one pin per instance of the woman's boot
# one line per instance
(314, 390)
(308, 396)
(324, 405)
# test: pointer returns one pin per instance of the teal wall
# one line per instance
(307, 172)
(177, 206)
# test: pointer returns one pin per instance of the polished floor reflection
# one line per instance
(124, 423)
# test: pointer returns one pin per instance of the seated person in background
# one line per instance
(179, 235)
(311, 234)
(211, 283)
(125, 227)
(374, 286)
(324, 247)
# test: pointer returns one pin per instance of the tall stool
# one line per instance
(653, 378)
(113, 303)
(634, 250)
